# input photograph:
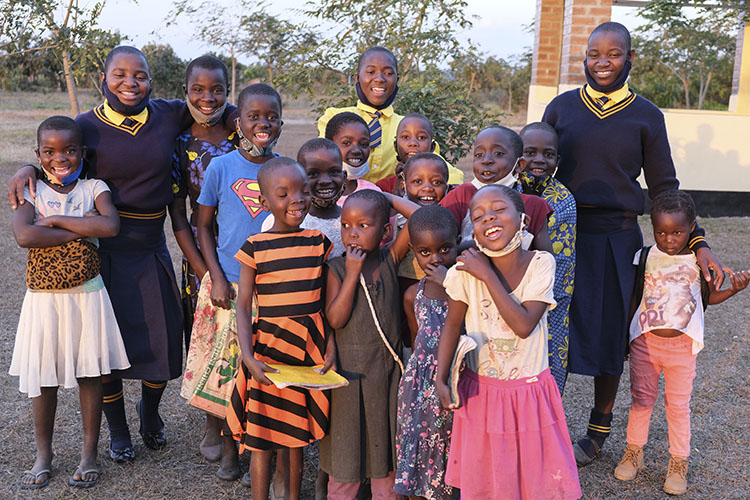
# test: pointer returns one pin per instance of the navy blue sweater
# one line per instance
(602, 153)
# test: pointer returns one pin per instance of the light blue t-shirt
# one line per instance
(231, 184)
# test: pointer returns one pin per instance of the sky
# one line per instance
(500, 27)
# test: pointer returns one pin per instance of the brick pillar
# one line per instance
(581, 17)
(545, 65)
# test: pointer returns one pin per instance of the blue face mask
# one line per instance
(68, 179)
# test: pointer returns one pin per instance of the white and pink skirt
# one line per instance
(510, 440)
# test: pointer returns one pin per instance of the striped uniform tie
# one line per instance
(375, 130)
(602, 101)
(128, 122)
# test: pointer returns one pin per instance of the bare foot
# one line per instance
(211, 443)
(229, 469)
(38, 476)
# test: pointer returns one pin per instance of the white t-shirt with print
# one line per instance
(500, 353)
(671, 296)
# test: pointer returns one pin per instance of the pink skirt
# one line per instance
(510, 440)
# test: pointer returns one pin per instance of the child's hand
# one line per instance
(739, 281)
(475, 263)
(258, 370)
(355, 259)
(436, 274)
(46, 221)
(444, 393)
(92, 213)
(330, 361)
(221, 293)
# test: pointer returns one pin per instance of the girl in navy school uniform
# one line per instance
(608, 135)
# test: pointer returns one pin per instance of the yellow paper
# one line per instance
(307, 377)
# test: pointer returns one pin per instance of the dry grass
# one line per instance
(721, 439)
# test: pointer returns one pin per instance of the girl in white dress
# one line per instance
(67, 333)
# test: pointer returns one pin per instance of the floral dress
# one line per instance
(191, 159)
(423, 427)
(562, 233)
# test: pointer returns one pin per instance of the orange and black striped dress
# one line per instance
(288, 329)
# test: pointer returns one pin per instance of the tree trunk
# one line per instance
(70, 83)
(686, 86)
(704, 90)
(234, 73)
(471, 84)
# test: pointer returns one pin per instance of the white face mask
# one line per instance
(513, 244)
(354, 173)
(508, 181)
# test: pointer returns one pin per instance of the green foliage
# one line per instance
(167, 71)
(684, 59)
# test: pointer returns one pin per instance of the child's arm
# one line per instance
(257, 368)
(29, 235)
(184, 236)
(521, 318)
(105, 224)
(340, 296)
(221, 292)
(400, 247)
(447, 348)
(737, 281)
(542, 241)
(411, 319)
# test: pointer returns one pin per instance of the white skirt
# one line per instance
(64, 335)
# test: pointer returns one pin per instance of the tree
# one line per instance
(67, 31)
(167, 71)
(693, 48)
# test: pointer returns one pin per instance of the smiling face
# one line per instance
(377, 76)
(493, 156)
(260, 119)
(324, 173)
(426, 183)
(494, 218)
(539, 152)
(128, 78)
(59, 152)
(672, 231)
(362, 226)
(438, 248)
(206, 89)
(288, 199)
(606, 54)
(353, 140)
(413, 136)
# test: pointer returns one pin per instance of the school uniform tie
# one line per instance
(376, 130)
(602, 101)
(127, 122)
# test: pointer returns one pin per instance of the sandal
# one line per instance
(81, 483)
(35, 485)
(156, 440)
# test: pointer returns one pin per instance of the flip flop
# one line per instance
(80, 483)
(35, 485)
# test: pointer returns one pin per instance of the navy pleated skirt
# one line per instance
(606, 243)
(139, 277)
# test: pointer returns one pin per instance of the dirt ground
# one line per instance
(721, 413)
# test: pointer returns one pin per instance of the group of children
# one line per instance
(325, 260)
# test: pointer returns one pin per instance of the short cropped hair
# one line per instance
(539, 126)
(339, 120)
(210, 63)
(60, 123)
(516, 143)
(674, 201)
(372, 50)
(123, 49)
(381, 205)
(429, 157)
(268, 172)
(317, 144)
(432, 218)
(257, 89)
(613, 27)
(422, 117)
(510, 194)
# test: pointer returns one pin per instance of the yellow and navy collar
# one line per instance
(616, 101)
(111, 117)
(387, 112)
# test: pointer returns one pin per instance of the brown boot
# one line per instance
(676, 482)
(631, 463)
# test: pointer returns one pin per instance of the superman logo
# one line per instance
(248, 190)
